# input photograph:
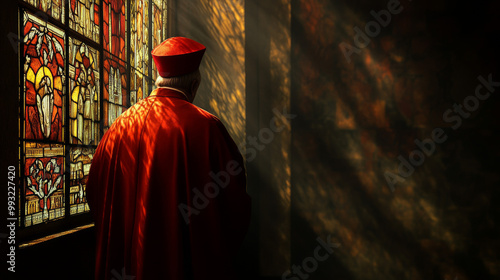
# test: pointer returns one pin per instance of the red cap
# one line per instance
(178, 56)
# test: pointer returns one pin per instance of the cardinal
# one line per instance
(167, 184)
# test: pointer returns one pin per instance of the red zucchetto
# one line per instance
(178, 56)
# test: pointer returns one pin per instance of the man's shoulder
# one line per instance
(191, 114)
(207, 115)
(131, 114)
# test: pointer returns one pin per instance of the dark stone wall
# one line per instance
(358, 113)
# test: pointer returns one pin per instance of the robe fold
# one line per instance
(167, 190)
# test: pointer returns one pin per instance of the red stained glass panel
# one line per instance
(44, 55)
(43, 183)
(114, 20)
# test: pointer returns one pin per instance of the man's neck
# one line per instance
(179, 90)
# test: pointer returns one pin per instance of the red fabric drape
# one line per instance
(160, 160)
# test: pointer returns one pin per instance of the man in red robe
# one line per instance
(167, 183)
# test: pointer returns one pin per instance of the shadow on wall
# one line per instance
(356, 117)
(219, 25)
(360, 107)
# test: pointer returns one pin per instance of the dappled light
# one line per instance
(222, 89)
(358, 113)
(275, 231)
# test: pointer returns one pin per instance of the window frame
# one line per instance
(27, 233)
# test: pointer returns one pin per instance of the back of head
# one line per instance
(183, 82)
(177, 60)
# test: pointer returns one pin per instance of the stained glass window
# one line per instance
(84, 17)
(159, 28)
(139, 36)
(81, 158)
(44, 182)
(114, 18)
(78, 77)
(115, 89)
(139, 88)
(84, 95)
(53, 8)
(44, 100)
(44, 78)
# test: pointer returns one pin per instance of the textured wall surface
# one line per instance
(220, 26)
(365, 79)
(360, 109)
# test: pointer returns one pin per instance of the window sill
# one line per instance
(53, 236)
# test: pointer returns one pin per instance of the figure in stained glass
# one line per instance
(84, 105)
(44, 78)
(54, 137)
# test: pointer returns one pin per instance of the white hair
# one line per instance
(180, 82)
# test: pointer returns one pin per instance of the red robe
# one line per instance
(167, 191)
